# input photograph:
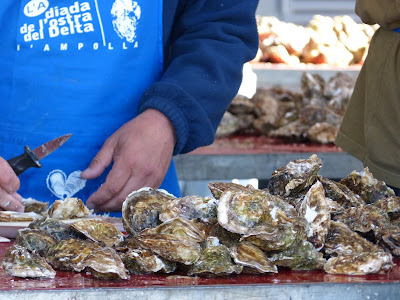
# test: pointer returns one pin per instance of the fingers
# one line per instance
(11, 202)
(100, 162)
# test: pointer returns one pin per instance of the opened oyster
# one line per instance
(141, 209)
(20, 262)
(69, 208)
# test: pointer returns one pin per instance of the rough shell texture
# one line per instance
(102, 232)
(364, 184)
(302, 256)
(104, 263)
(190, 207)
(56, 228)
(314, 208)
(390, 205)
(215, 260)
(141, 209)
(176, 240)
(20, 262)
(69, 208)
(217, 188)
(140, 261)
(35, 240)
(32, 205)
(13, 216)
(359, 263)
(295, 176)
(252, 258)
(341, 240)
(68, 254)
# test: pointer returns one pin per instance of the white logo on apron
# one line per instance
(63, 187)
(126, 14)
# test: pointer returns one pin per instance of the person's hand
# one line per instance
(141, 151)
(9, 185)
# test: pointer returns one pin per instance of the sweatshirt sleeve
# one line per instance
(386, 13)
(210, 42)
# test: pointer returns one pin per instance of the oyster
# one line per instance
(69, 208)
(190, 207)
(340, 193)
(215, 260)
(389, 238)
(141, 209)
(20, 262)
(104, 263)
(364, 184)
(217, 188)
(56, 228)
(32, 205)
(302, 256)
(239, 212)
(98, 231)
(13, 216)
(35, 240)
(252, 259)
(390, 205)
(364, 218)
(341, 240)
(177, 240)
(296, 176)
(314, 208)
(359, 263)
(69, 254)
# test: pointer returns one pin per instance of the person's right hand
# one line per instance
(9, 185)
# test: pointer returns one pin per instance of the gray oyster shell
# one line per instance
(35, 240)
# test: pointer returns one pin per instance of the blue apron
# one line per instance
(75, 67)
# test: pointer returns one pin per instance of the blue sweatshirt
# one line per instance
(206, 43)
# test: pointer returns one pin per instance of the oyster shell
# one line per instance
(20, 262)
(341, 240)
(364, 184)
(340, 193)
(190, 207)
(35, 240)
(252, 258)
(217, 188)
(296, 176)
(302, 256)
(101, 232)
(177, 240)
(141, 261)
(215, 260)
(389, 238)
(141, 209)
(33, 205)
(104, 263)
(359, 263)
(390, 205)
(314, 208)
(69, 208)
(69, 254)
(56, 228)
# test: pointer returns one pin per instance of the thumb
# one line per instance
(99, 163)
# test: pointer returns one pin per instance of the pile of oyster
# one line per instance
(312, 115)
(302, 221)
(338, 41)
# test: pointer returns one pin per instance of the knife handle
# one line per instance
(25, 161)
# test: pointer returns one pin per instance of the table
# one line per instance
(286, 284)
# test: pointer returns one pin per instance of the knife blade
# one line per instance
(31, 158)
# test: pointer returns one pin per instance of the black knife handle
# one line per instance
(24, 161)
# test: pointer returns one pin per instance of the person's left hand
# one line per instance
(141, 151)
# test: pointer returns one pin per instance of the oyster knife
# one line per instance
(31, 158)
